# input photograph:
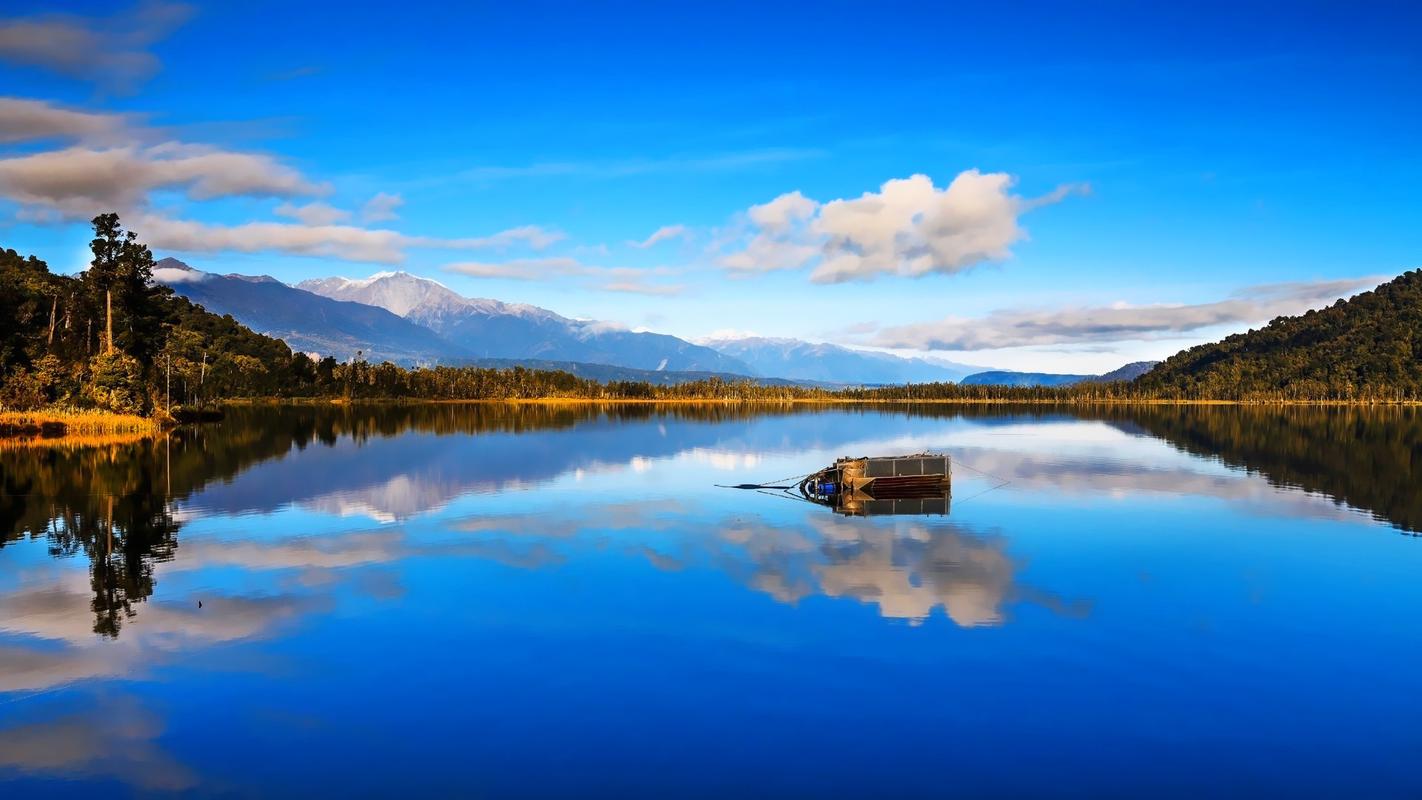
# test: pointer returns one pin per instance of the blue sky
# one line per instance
(1125, 177)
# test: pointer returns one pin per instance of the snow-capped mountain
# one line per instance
(799, 360)
(308, 322)
(492, 329)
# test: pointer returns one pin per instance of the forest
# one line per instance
(112, 339)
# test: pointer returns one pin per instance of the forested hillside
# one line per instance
(1368, 347)
(112, 339)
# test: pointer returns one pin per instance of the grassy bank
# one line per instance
(74, 422)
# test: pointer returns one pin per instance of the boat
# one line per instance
(913, 484)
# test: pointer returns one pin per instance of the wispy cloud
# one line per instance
(309, 238)
(80, 179)
(640, 166)
(1023, 328)
(628, 280)
(294, 73)
(24, 120)
(663, 234)
(113, 162)
(519, 269)
(317, 213)
(382, 207)
(112, 52)
(531, 236)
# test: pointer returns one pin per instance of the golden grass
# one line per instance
(52, 423)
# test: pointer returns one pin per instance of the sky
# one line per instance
(1040, 186)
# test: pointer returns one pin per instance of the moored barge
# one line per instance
(912, 484)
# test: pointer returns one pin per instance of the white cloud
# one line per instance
(782, 239)
(313, 213)
(167, 275)
(662, 234)
(1022, 328)
(112, 52)
(381, 207)
(909, 227)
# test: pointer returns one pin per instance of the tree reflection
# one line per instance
(1368, 457)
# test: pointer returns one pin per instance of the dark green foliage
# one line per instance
(1365, 348)
(53, 343)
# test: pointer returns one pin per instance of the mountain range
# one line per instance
(307, 322)
(412, 320)
(481, 328)
(805, 361)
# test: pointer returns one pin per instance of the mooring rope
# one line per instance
(794, 481)
(1001, 481)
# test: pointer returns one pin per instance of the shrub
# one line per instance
(116, 383)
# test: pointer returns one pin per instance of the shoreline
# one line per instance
(820, 401)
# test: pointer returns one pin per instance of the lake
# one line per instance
(502, 600)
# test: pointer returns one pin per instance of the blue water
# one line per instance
(573, 607)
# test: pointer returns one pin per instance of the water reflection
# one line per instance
(118, 507)
(344, 549)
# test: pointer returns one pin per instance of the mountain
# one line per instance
(799, 360)
(1010, 378)
(1369, 346)
(1129, 372)
(491, 329)
(307, 322)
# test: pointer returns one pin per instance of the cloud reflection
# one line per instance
(114, 738)
(905, 569)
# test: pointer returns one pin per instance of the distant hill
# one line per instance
(1367, 346)
(1009, 378)
(491, 329)
(1129, 372)
(307, 322)
(799, 360)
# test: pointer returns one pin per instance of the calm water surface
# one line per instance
(490, 600)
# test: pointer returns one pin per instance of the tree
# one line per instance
(120, 279)
(103, 272)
